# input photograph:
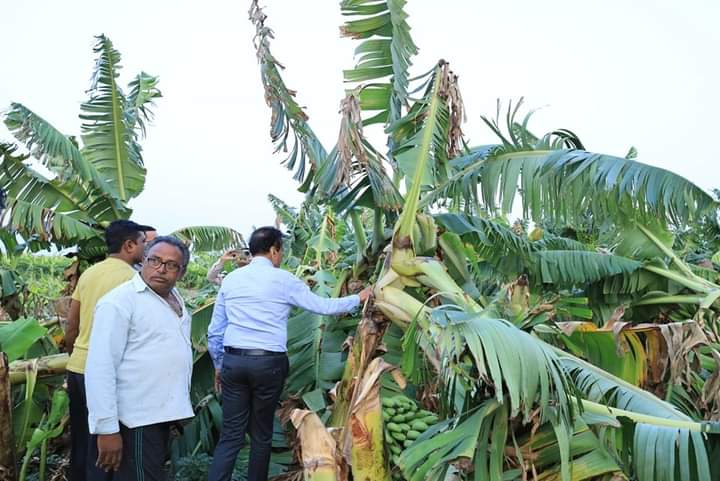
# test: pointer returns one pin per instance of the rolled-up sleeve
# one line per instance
(107, 343)
(214, 274)
(216, 330)
(300, 295)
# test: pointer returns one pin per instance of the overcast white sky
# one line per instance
(618, 73)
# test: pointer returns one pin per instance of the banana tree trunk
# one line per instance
(362, 439)
(363, 348)
(7, 443)
(46, 366)
(44, 323)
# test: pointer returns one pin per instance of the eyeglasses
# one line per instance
(155, 263)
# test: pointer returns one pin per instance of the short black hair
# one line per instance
(120, 231)
(173, 241)
(264, 238)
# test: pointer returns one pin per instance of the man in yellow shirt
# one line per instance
(125, 244)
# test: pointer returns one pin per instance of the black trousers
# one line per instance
(251, 388)
(145, 450)
(83, 453)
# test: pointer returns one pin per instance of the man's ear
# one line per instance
(127, 245)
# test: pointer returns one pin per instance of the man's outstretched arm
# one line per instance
(300, 295)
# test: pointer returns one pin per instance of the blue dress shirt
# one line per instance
(252, 308)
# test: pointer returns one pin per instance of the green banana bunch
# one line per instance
(404, 422)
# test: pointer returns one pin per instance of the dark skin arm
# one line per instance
(109, 451)
(73, 327)
(218, 382)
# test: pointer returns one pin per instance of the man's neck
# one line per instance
(123, 258)
(266, 257)
(163, 294)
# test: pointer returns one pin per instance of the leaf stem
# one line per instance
(699, 427)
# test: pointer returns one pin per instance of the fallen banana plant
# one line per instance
(52, 365)
(318, 448)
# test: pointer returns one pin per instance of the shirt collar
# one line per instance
(138, 283)
(262, 260)
(140, 286)
(115, 259)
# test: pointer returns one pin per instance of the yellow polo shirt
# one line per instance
(94, 283)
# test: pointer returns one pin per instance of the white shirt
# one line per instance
(251, 310)
(139, 361)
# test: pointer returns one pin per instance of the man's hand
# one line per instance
(218, 383)
(109, 451)
(365, 294)
(229, 255)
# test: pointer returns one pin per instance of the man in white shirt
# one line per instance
(247, 340)
(139, 366)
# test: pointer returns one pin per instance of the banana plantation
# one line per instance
(540, 311)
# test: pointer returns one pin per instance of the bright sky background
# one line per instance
(618, 73)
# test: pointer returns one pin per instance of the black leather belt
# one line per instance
(252, 352)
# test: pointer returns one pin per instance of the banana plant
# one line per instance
(49, 427)
(87, 182)
(496, 381)
(556, 178)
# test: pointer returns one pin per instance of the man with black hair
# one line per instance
(139, 367)
(247, 342)
(125, 242)
(150, 235)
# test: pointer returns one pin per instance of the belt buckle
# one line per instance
(257, 352)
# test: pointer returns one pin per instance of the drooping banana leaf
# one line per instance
(108, 130)
(557, 178)
(385, 55)
(17, 337)
(288, 117)
(210, 238)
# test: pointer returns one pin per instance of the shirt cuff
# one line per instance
(218, 363)
(217, 360)
(103, 425)
(357, 302)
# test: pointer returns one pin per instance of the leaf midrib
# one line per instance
(115, 126)
(413, 197)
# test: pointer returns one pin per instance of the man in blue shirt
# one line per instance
(247, 342)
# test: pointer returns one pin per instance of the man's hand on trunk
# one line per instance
(365, 294)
